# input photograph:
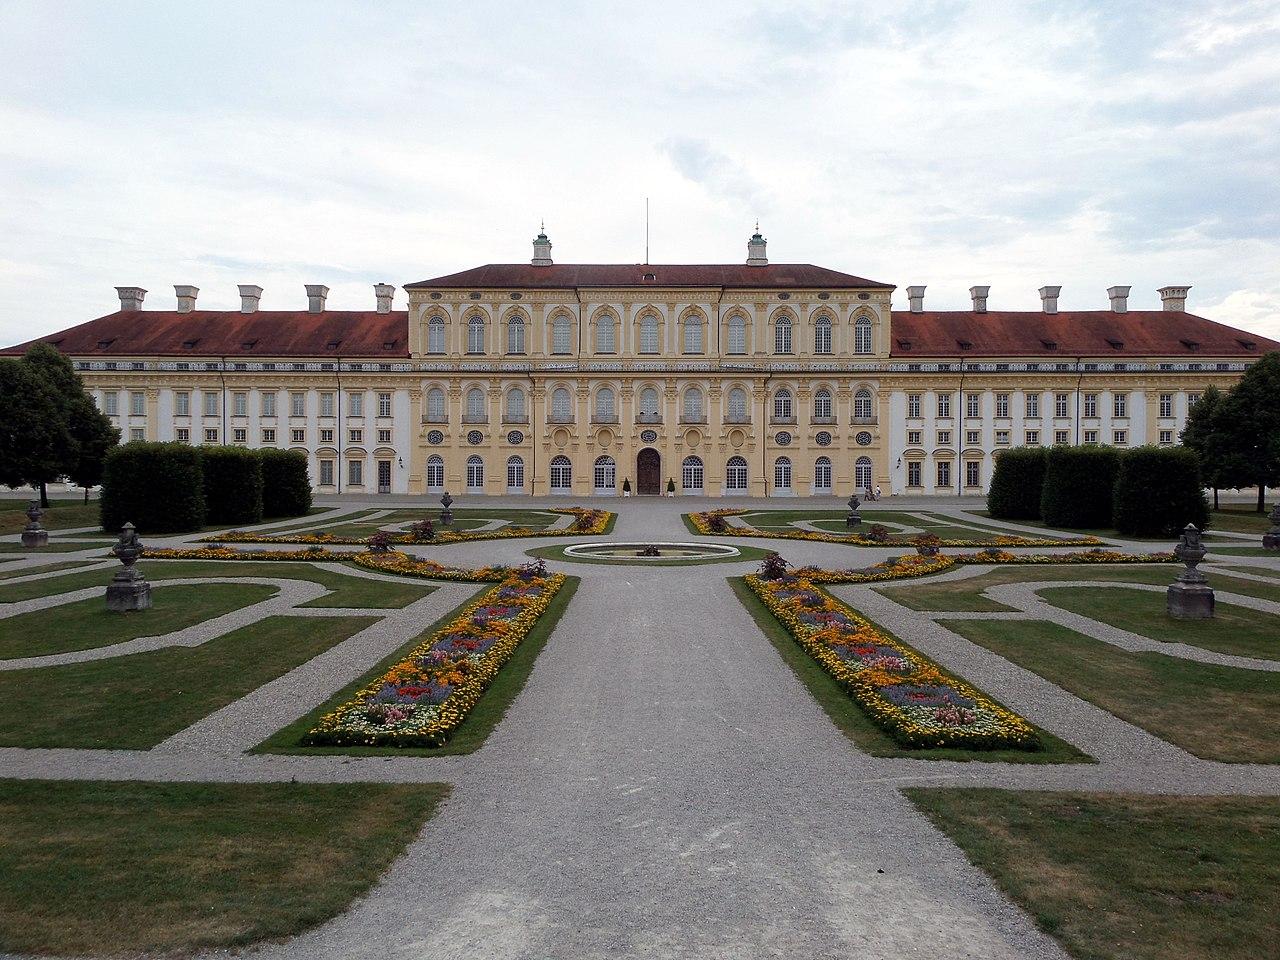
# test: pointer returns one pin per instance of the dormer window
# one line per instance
(1247, 344)
(1191, 344)
(389, 344)
(248, 344)
(904, 344)
(190, 344)
(1115, 344)
(1049, 344)
(333, 344)
(104, 344)
(651, 276)
(964, 344)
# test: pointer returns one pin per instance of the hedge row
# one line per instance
(1146, 491)
(178, 488)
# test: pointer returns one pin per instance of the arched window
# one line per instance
(649, 334)
(737, 335)
(561, 474)
(822, 405)
(475, 335)
(604, 475)
(561, 405)
(435, 406)
(693, 333)
(515, 334)
(515, 406)
(606, 412)
(475, 474)
(691, 475)
(606, 334)
(515, 475)
(822, 475)
(782, 405)
(822, 335)
(862, 335)
(735, 474)
(693, 405)
(782, 473)
(561, 341)
(476, 406)
(738, 406)
(862, 474)
(435, 473)
(649, 404)
(435, 335)
(782, 335)
(862, 405)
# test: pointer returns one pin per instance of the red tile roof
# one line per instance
(215, 333)
(1090, 333)
(569, 275)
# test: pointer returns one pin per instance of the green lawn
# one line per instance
(1226, 552)
(854, 723)
(88, 623)
(1234, 630)
(47, 568)
(1239, 519)
(1107, 533)
(556, 552)
(474, 730)
(1269, 572)
(463, 520)
(63, 514)
(136, 701)
(54, 546)
(1123, 877)
(348, 590)
(1216, 713)
(122, 868)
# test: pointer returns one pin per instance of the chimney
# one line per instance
(186, 296)
(756, 255)
(384, 293)
(541, 248)
(249, 297)
(979, 295)
(1049, 298)
(915, 295)
(1174, 298)
(1119, 299)
(316, 294)
(131, 297)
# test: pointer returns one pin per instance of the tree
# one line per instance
(34, 439)
(96, 436)
(1203, 434)
(1250, 420)
(1158, 491)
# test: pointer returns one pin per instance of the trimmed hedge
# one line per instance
(286, 487)
(1158, 491)
(1016, 484)
(1078, 485)
(158, 487)
(232, 485)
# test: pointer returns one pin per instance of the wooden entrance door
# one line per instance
(649, 471)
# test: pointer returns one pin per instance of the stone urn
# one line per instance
(1190, 597)
(34, 535)
(853, 519)
(127, 589)
(446, 515)
(1271, 539)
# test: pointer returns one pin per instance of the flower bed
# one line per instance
(421, 700)
(707, 524)
(587, 522)
(313, 554)
(406, 566)
(909, 696)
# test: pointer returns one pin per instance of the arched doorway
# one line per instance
(648, 471)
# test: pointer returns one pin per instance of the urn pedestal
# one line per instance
(128, 590)
(1190, 597)
(34, 535)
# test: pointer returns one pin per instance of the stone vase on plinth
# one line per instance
(446, 515)
(854, 518)
(1190, 597)
(127, 590)
(1271, 539)
(34, 535)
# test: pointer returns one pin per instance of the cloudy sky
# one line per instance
(1082, 144)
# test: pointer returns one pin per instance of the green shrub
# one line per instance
(232, 485)
(1078, 484)
(286, 488)
(158, 487)
(1158, 491)
(1016, 484)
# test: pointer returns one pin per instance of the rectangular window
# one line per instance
(137, 433)
(973, 405)
(1120, 404)
(326, 435)
(298, 436)
(183, 435)
(1061, 405)
(239, 404)
(944, 405)
(1166, 404)
(1061, 437)
(111, 404)
(210, 434)
(973, 474)
(240, 435)
(384, 436)
(973, 437)
(914, 437)
(1090, 437)
(1166, 438)
(269, 435)
(182, 404)
(944, 438)
(1002, 405)
(1002, 438)
(355, 436)
(384, 404)
(269, 404)
(355, 404)
(355, 472)
(944, 473)
(326, 404)
(913, 404)
(1192, 400)
(1120, 437)
(210, 404)
(1033, 405)
(137, 404)
(297, 404)
(326, 473)
(913, 474)
(1033, 438)
(1090, 404)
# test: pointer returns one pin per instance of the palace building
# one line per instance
(753, 379)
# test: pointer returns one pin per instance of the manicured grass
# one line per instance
(855, 725)
(88, 623)
(134, 702)
(1216, 713)
(556, 552)
(348, 590)
(47, 568)
(62, 514)
(54, 546)
(1106, 533)
(1226, 552)
(1239, 519)
(474, 730)
(1269, 572)
(463, 520)
(1123, 877)
(1234, 630)
(122, 868)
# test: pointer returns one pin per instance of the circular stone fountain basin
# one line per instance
(666, 551)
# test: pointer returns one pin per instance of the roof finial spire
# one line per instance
(541, 247)
(756, 249)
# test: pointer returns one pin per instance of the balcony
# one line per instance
(823, 420)
(560, 418)
(648, 418)
(515, 418)
(782, 420)
(605, 418)
(430, 418)
(698, 418)
(744, 418)
(475, 418)
(867, 421)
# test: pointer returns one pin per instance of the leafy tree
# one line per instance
(1250, 420)
(96, 436)
(1204, 436)
(34, 440)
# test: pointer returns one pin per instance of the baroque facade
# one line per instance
(723, 379)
